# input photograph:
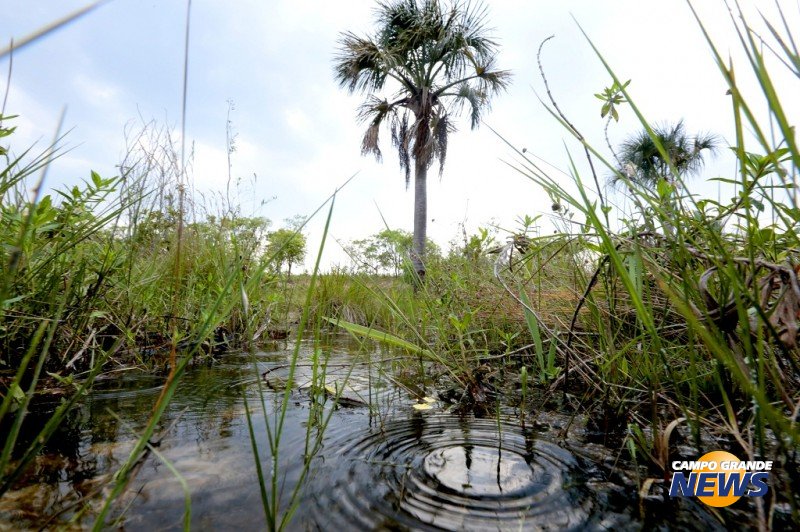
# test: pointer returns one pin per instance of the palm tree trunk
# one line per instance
(420, 221)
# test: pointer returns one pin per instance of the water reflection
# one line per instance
(400, 469)
(449, 472)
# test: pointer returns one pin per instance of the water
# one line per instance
(433, 471)
(388, 467)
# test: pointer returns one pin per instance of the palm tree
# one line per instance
(642, 162)
(434, 58)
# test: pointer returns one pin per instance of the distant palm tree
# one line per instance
(434, 58)
(642, 162)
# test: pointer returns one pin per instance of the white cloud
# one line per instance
(97, 92)
(298, 122)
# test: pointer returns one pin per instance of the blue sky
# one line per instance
(296, 130)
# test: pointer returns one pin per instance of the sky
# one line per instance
(268, 67)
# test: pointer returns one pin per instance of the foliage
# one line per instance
(690, 334)
(247, 234)
(85, 273)
(5, 131)
(612, 97)
(477, 245)
(286, 246)
(386, 252)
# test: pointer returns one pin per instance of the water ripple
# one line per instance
(447, 472)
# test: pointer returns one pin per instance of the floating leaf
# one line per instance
(421, 406)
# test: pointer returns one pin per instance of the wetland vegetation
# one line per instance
(161, 365)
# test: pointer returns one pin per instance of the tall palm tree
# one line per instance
(642, 162)
(433, 58)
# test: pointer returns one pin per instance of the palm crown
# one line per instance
(641, 160)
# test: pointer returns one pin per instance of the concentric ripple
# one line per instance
(446, 472)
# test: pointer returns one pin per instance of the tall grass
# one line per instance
(82, 285)
(694, 303)
(269, 485)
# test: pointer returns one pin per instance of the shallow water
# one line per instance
(451, 472)
(386, 467)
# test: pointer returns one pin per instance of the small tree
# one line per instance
(286, 246)
(245, 234)
(643, 163)
(386, 251)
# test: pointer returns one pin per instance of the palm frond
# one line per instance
(493, 80)
(375, 111)
(401, 139)
(359, 65)
(476, 35)
(475, 98)
(369, 144)
(441, 128)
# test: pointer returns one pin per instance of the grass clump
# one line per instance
(88, 282)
